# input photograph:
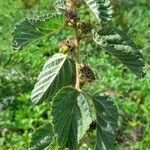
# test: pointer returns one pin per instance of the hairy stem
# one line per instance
(77, 36)
(77, 58)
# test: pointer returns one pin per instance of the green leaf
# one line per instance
(58, 71)
(102, 9)
(107, 116)
(117, 43)
(31, 30)
(60, 6)
(42, 138)
(71, 117)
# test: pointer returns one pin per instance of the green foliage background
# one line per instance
(18, 72)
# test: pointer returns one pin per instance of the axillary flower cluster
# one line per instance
(72, 46)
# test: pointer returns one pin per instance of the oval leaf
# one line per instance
(102, 9)
(31, 30)
(107, 116)
(42, 138)
(58, 71)
(71, 117)
(117, 43)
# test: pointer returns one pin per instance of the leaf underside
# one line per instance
(42, 138)
(102, 9)
(58, 71)
(107, 116)
(117, 43)
(31, 30)
(60, 6)
(71, 117)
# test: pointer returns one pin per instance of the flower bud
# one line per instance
(86, 74)
(67, 46)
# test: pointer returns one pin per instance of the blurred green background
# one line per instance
(18, 72)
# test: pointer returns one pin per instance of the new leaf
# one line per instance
(117, 43)
(31, 30)
(58, 71)
(71, 117)
(106, 114)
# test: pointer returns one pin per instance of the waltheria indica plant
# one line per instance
(63, 76)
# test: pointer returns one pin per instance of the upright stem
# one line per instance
(74, 9)
(77, 58)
